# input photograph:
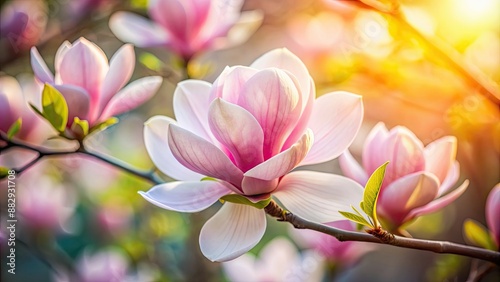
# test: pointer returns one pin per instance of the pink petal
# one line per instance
(404, 152)
(272, 97)
(451, 179)
(303, 123)
(335, 121)
(85, 65)
(132, 96)
(61, 52)
(242, 30)
(40, 69)
(129, 27)
(318, 196)
(407, 193)
(201, 156)
(77, 99)
(156, 141)
(230, 83)
(121, 67)
(351, 168)
(373, 147)
(275, 167)
(439, 203)
(232, 231)
(285, 60)
(191, 103)
(493, 213)
(440, 156)
(238, 131)
(192, 196)
(173, 15)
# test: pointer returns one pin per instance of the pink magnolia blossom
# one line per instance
(246, 132)
(340, 253)
(278, 261)
(22, 24)
(493, 213)
(187, 26)
(91, 86)
(417, 177)
(15, 97)
(44, 203)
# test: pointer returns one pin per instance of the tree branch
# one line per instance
(149, 175)
(273, 209)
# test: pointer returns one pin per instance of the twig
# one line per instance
(275, 210)
(149, 175)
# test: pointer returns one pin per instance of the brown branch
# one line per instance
(149, 175)
(443, 247)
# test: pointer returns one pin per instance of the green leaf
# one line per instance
(105, 124)
(478, 235)
(54, 106)
(36, 110)
(151, 61)
(80, 127)
(4, 171)
(372, 190)
(356, 218)
(238, 199)
(14, 128)
(208, 178)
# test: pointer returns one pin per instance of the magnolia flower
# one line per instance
(91, 86)
(416, 179)
(105, 265)
(340, 253)
(15, 97)
(242, 136)
(493, 212)
(22, 24)
(278, 261)
(44, 203)
(187, 26)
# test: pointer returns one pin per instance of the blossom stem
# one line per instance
(443, 247)
(149, 175)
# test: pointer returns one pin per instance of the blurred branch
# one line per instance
(443, 247)
(440, 48)
(477, 272)
(149, 175)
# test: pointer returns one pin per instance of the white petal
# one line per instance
(156, 141)
(243, 29)
(352, 169)
(186, 196)
(232, 231)
(191, 103)
(318, 196)
(135, 29)
(335, 121)
(40, 69)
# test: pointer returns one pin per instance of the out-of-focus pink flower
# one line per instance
(187, 26)
(77, 9)
(278, 261)
(340, 253)
(493, 213)
(246, 132)
(91, 86)
(22, 23)
(416, 179)
(44, 203)
(114, 218)
(15, 98)
(103, 266)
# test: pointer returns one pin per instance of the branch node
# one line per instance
(382, 235)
